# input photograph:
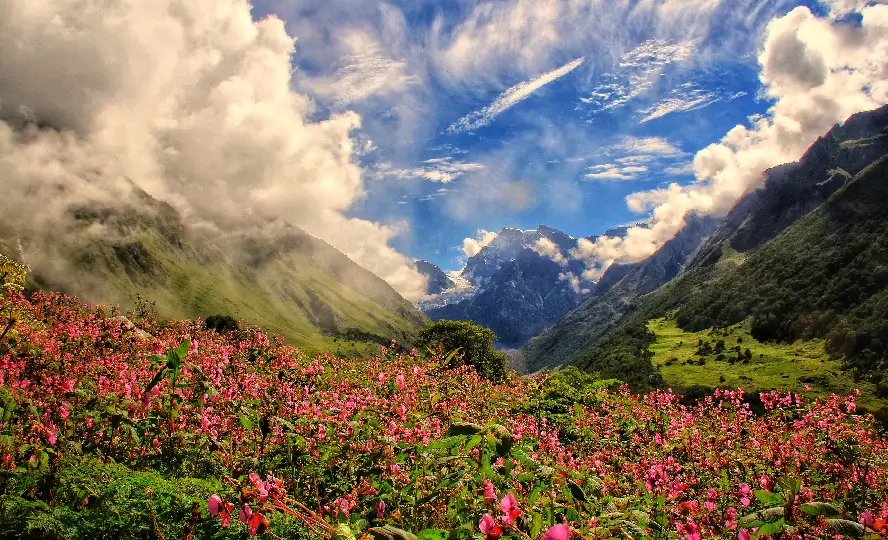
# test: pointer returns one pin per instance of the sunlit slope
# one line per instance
(289, 282)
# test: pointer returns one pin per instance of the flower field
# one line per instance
(110, 429)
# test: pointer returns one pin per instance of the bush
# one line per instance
(221, 324)
(472, 343)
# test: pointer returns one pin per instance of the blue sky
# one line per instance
(484, 115)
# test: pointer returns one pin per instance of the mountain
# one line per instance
(613, 294)
(280, 278)
(518, 301)
(438, 281)
(517, 285)
(788, 268)
(510, 243)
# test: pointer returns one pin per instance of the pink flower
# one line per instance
(766, 482)
(489, 492)
(490, 528)
(245, 513)
(745, 492)
(743, 535)
(557, 532)
(380, 509)
(399, 381)
(510, 508)
(213, 505)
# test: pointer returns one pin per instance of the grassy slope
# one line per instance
(773, 366)
(303, 290)
(829, 262)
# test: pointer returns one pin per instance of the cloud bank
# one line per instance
(817, 72)
(192, 102)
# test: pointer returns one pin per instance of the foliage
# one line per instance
(181, 432)
(825, 277)
(221, 323)
(473, 345)
(687, 359)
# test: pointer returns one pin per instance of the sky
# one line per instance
(413, 129)
(516, 113)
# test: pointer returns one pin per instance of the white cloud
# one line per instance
(473, 246)
(510, 98)
(365, 71)
(685, 98)
(656, 146)
(192, 101)
(573, 280)
(502, 38)
(686, 169)
(612, 171)
(443, 170)
(548, 248)
(637, 73)
(817, 73)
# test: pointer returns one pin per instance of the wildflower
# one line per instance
(745, 492)
(510, 508)
(557, 532)
(257, 524)
(743, 535)
(489, 492)
(380, 509)
(490, 528)
(213, 505)
(245, 513)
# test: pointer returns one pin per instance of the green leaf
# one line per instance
(182, 350)
(770, 528)
(245, 421)
(463, 428)
(768, 498)
(815, 509)
(845, 527)
(433, 534)
(576, 491)
(473, 442)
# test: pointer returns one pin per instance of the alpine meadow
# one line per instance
(425, 270)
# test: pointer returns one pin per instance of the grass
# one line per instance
(769, 366)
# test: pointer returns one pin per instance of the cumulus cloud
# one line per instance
(190, 101)
(548, 248)
(510, 98)
(817, 72)
(473, 246)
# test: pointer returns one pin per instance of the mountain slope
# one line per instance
(438, 281)
(286, 281)
(612, 296)
(519, 300)
(517, 285)
(824, 276)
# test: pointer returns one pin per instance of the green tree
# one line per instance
(473, 345)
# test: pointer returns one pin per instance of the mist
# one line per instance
(190, 102)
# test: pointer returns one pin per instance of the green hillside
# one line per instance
(288, 282)
(825, 277)
(731, 358)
